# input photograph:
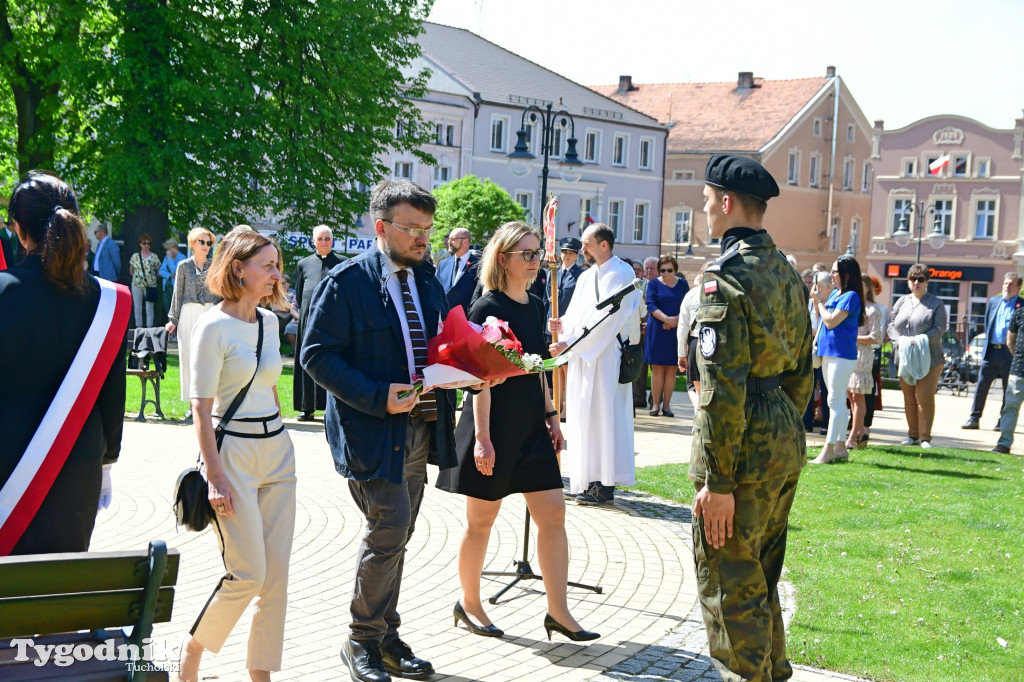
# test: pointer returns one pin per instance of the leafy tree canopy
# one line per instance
(480, 206)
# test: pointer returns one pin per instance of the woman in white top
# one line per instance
(252, 477)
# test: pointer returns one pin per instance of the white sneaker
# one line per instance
(910, 441)
(926, 444)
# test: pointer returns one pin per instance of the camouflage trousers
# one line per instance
(738, 584)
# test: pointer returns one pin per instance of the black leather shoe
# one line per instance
(491, 630)
(364, 661)
(970, 424)
(552, 625)
(1001, 449)
(400, 661)
(305, 417)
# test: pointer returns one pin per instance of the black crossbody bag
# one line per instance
(192, 507)
(631, 358)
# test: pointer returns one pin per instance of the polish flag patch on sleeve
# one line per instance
(711, 286)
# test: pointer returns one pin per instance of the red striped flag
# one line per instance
(550, 211)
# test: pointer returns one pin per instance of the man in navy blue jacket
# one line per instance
(459, 274)
(995, 361)
(369, 323)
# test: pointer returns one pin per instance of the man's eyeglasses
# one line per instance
(666, 270)
(916, 279)
(412, 231)
(529, 255)
(204, 242)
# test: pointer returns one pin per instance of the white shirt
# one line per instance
(460, 267)
(394, 287)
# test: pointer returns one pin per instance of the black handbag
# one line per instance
(151, 294)
(630, 362)
(192, 507)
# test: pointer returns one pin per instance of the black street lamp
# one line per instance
(937, 238)
(520, 160)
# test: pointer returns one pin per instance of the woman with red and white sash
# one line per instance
(62, 380)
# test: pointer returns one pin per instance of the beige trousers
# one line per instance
(919, 404)
(255, 542)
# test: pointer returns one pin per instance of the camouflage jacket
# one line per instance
(752, 322)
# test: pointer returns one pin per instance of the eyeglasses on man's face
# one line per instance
(412, 231)
(529, 255)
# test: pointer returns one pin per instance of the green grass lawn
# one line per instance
(170, 397)
(907, 563)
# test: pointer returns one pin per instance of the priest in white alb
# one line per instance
(599, 410)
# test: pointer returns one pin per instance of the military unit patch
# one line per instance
(708, 338)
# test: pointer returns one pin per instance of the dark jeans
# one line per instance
(996, 363)
(819, 382)
(871, 398)
(390, 512)
(640, 385)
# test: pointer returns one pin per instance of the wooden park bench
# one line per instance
(50, 598)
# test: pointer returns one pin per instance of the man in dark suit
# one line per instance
(459, 274)
(107, 261)
(996, 359)
(307, 396)
(10, 244)
(369, 324)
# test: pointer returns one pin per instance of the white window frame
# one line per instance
(851, 132)
(793, 169)
(438, 171)
(866, 173)
(906, 210)
(558, 138)
(967, 165)
(402, 162)
(978, 163)
(682, 216)
(950, 229)
(624, 160)
(975, 214)
(913, 167)
(683, 174)
(649, 143)
(505, 123)
(400, 126)
(848, 164)
(855, 235)
(837, 230)
(926, 162)
(526, 194)
(597, 145)
(641, 219)
(814, 170)
(616, 219)
(586, 209)
(816, 126)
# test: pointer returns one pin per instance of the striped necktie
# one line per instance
(428, 405)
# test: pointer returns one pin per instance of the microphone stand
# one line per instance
(523, 570)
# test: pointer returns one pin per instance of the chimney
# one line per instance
(879, 124)
(830, 72)
(745, 80)
(626, 84)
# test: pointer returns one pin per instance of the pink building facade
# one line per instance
(964, 178)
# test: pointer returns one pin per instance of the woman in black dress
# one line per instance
(507, 439)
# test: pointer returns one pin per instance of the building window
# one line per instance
(444, 134)
(837, 227)
(442, 174)
(854, 236)
(794, 168)
(850, 133)
(557, 141)
(848, 174)
(647, 153)
(403, 170)
(865, 183)
(682, 175)
(525, 199)
(615, 209)
(529, 128)
(817, 127)
(902, 214)
(586, 211)
(399, 129)
(592, 147)
(640, 216)
(813, 173)
(681, 222)
(983, 168)
(944, 216)
(984, 218)
(499, 126)
(620, 150)
(961, 164)
(909, 168)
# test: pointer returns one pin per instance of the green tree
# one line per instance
(479, 206)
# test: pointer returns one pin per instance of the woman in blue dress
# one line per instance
(664, 296)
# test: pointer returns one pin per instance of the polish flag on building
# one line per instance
(936, 166)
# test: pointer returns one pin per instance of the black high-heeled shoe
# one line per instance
(550, 624)
(482, 630)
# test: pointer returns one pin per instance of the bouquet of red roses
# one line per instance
(465, 354)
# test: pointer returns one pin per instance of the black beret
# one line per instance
(571, 244)
(741, 174)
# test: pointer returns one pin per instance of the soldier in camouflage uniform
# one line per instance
(748, 445)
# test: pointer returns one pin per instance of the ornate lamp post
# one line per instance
(937, 239)
(521, 160)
